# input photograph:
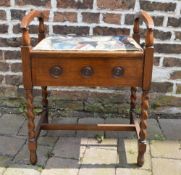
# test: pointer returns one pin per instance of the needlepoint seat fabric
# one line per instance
(88, 43)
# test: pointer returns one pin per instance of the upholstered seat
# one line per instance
(87, 43)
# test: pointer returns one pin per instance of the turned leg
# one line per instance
(132, 103)
(32, 144)
(143, 127)
(45, 102)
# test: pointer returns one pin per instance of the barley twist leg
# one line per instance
(32, 143)
(143, 128)
(132, 103)
(45, 102)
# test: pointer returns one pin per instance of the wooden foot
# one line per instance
(132, 104)
(32, 144)
(141, 152)
(45, 102)
(33, 157)
(143, 128)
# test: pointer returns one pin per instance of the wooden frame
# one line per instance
(30, 58)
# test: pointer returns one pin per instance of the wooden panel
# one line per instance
(102, 76)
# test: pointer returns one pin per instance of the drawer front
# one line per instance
(107, 72)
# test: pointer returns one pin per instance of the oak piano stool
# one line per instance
(90, 61)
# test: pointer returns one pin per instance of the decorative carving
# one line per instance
(117, 71)
(143, 127)
(87, 71)
(56, 71)
(31, 127)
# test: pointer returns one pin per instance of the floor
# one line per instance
(89, 153)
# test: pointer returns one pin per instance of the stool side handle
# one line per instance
(148, 20)
(41, 15)
(27, 19)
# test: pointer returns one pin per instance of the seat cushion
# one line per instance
(88, 43)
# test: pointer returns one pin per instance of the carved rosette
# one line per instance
(30, 114)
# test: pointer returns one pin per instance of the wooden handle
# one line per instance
(146, 18)
(31, 15)
(149, 40)
(41, 15)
